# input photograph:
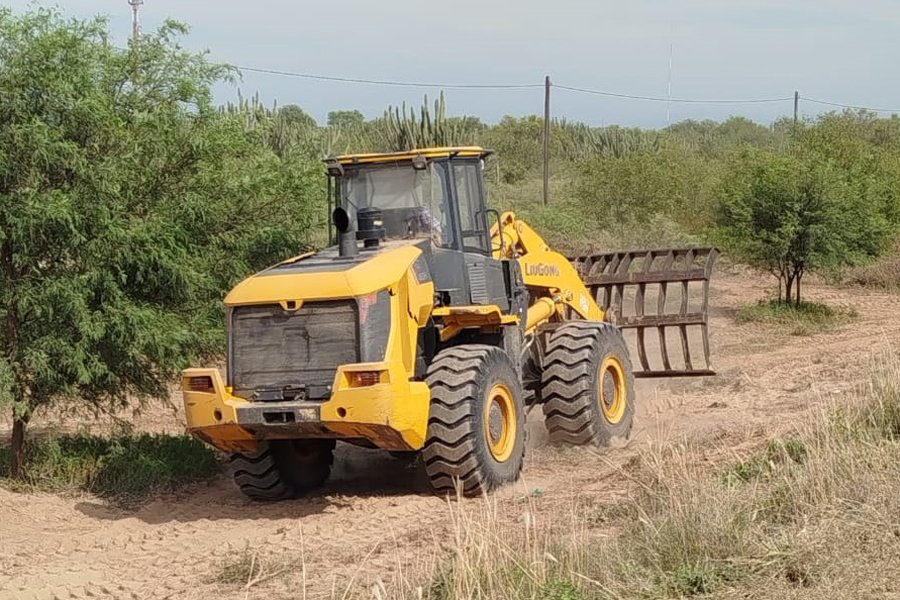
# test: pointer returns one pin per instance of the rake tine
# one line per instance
(639, 299)
(685, 289)
(710, 260)
(622, 269)
(661, 309)
(705, 329)
(614, 293)
(639, 312)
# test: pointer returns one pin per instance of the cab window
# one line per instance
(472, 217)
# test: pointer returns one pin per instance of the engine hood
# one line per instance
(325, 275)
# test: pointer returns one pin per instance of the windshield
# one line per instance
(413, 202)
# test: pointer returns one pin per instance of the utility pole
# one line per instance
(135, 20)
(135, 36)
(546, 139)
(796, 107)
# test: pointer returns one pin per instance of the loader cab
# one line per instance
(433, 198)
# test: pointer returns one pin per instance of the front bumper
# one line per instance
(392, 414)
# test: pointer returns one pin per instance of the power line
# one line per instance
(393, 83)
(520, 86)
(839, 105)
(679, 100)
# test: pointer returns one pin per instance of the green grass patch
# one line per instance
(561, 589)
(695, 579)
(803, 319)
(764, 464)
(124, 468)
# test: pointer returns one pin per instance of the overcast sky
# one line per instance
(835, 50)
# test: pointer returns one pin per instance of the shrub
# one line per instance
(122, 468)
(805, 318)
(792, 214)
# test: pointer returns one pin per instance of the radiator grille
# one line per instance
(272, 348)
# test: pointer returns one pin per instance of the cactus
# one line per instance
(404, 130)
(579, 141)
(282, 132)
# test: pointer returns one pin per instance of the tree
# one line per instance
(789, 216)
(128, 205)
(345, 119)
(296, 116)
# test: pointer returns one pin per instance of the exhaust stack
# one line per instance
(347, 247)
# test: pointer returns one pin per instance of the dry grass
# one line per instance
(883, 274)
(811, 516)
(250, 568)
(804, 319)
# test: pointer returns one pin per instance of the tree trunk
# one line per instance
(17, 457)
(799, 277)
(788, 286)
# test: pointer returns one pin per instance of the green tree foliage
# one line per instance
(633, 188)
(865, 150)
(518, 143)
(128, 205)
(714, 140)
(789, 215)
(292, 114)
(345, 119)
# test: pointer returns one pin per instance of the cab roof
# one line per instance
(430, 153)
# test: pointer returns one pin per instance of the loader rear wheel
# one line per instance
(588, 385)
(283, 469)
(476, 427)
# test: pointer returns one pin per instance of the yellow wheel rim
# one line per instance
(500, 422)
(611, 389)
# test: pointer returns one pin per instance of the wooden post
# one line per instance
(796, 107)
(546, 140)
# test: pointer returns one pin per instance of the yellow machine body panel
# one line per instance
(377, 273)
(376, 401)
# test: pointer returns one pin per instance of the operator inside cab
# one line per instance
(413, 201)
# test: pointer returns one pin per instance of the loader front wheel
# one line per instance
(588, 385)
(283, 469)
(476, 426)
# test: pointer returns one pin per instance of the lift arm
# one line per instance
(543, 270)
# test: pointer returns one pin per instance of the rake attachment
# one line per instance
(674, 284)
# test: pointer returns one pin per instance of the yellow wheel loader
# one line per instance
(428, 326)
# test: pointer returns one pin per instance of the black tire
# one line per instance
(459, 446)
(575, 410)
(283, 469)
(407, 456)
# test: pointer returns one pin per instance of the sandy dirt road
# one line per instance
(377, 520)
